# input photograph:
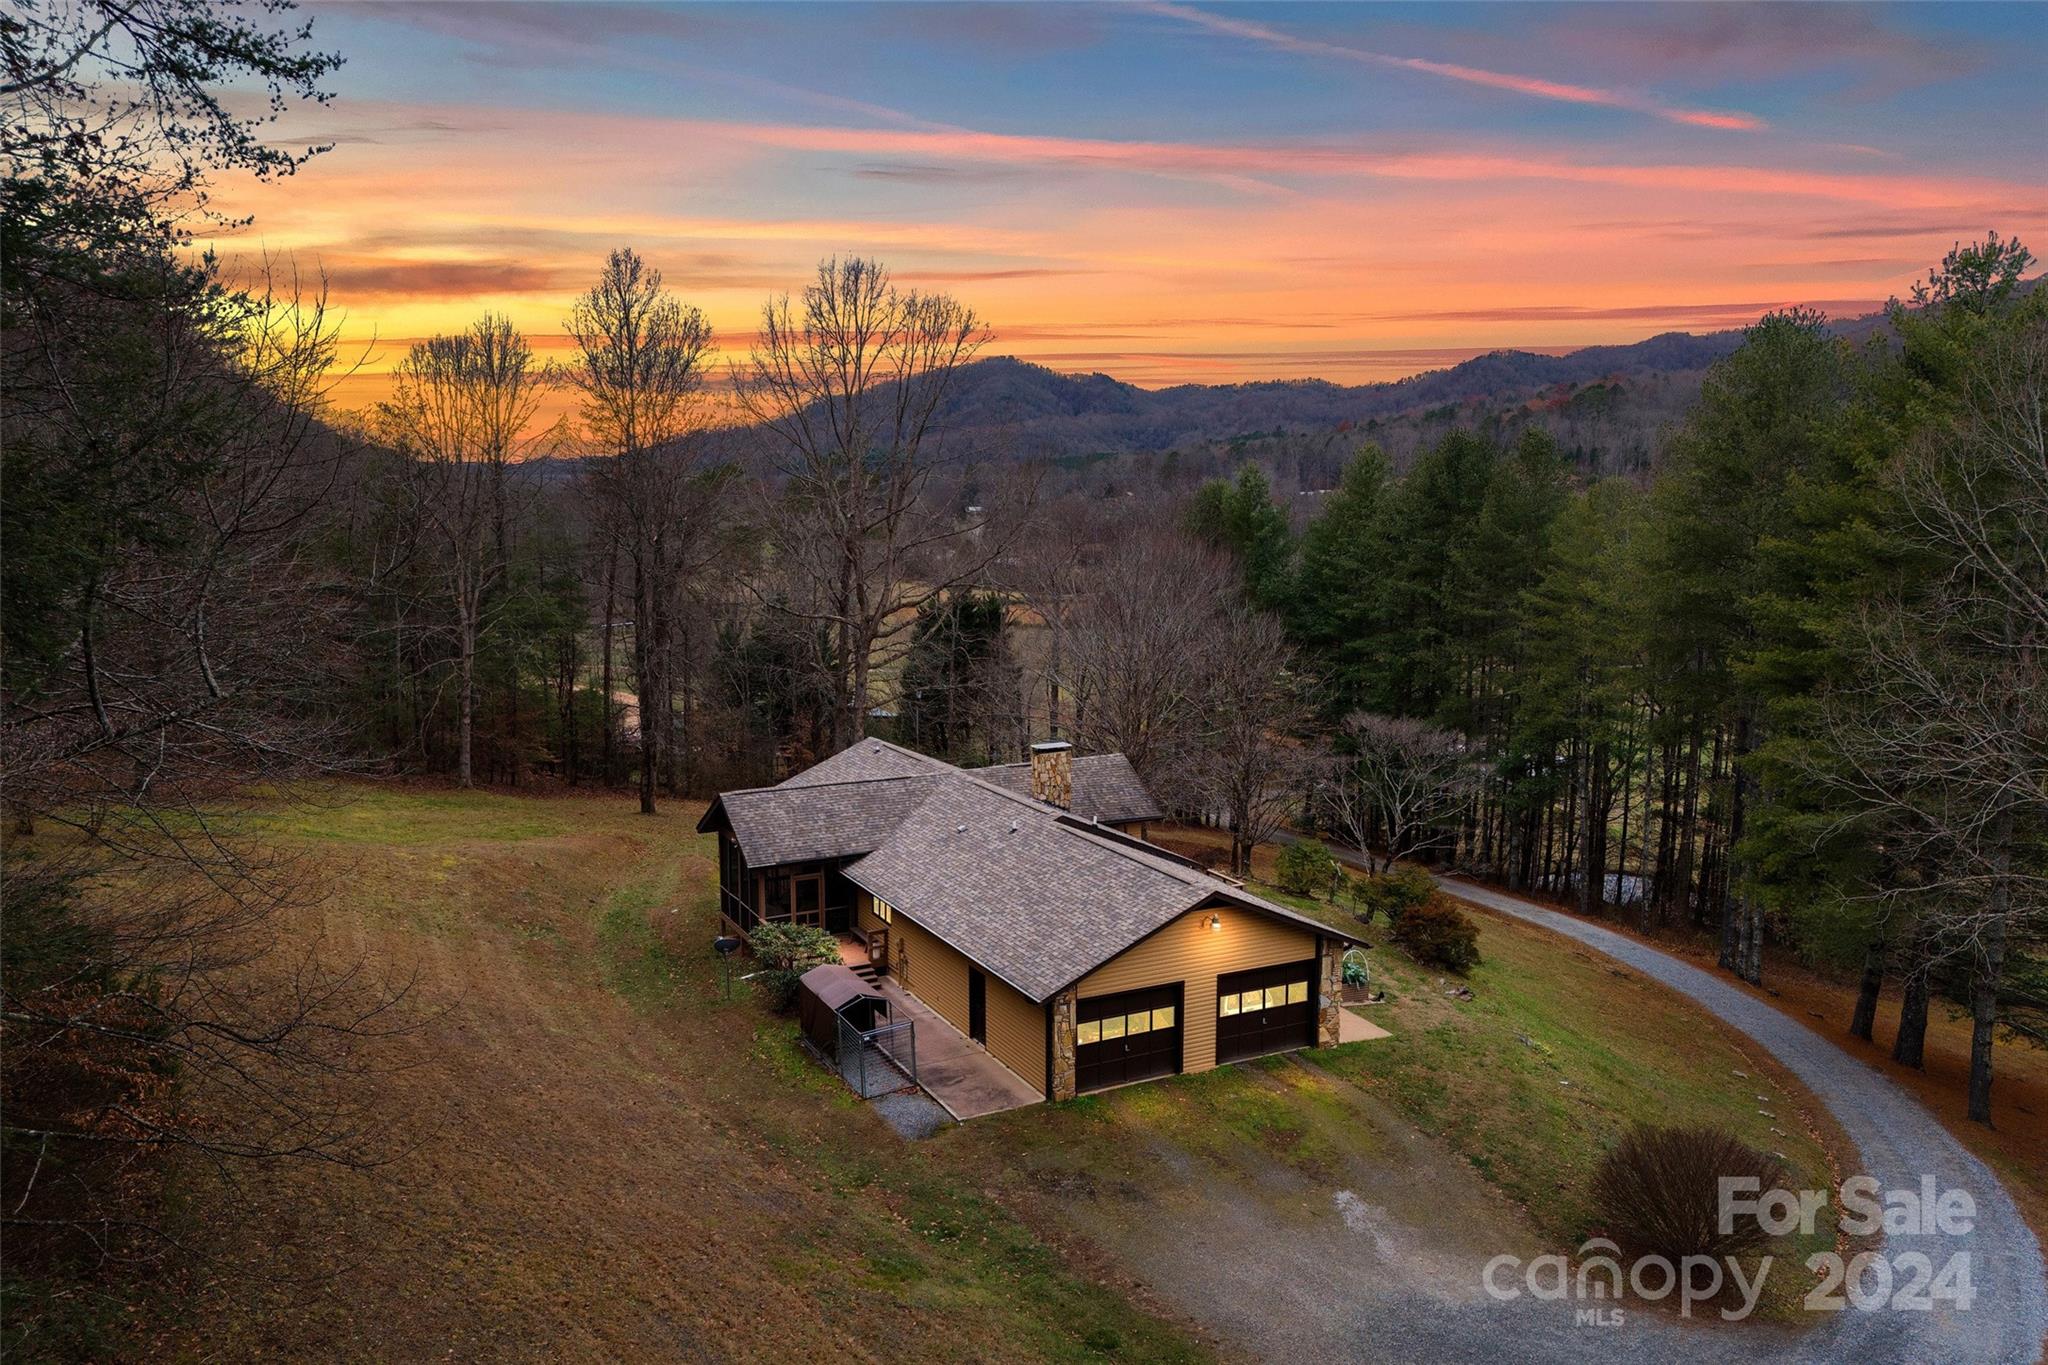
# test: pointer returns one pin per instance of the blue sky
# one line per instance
(1172, 191)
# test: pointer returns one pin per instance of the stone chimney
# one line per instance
(1052, 773)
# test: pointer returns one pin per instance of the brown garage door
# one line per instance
(1268, 1009)
(1127, 1037)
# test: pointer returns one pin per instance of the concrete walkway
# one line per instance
(955, 1070)
(1353, 1027)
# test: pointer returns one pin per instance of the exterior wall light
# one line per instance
(1215, 924)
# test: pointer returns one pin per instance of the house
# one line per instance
(1023, 905)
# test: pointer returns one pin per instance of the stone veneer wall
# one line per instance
(1330, 957)
(1063, 1011)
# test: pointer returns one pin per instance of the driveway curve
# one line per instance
(1900, 1143)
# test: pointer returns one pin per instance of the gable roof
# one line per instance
(1034, 894)
(1106, 788)
(864, 761)
(1033, 901)
(804, 824)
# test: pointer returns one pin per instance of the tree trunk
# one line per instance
(1987, 978)
(1910, 1047)
(611, 596)
(646, 687)
(1864, 1020)
(466, 725)
(1735, 909)
(1593, 877)
(1984, 985)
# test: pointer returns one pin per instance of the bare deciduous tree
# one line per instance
(640, 367)
(179, 658)
(460, 409)
(1399, 778)
(1253, 761)
(1142, 635)
(848, 385)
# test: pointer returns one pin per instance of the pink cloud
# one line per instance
(1534, 86)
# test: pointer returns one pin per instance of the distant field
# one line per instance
(612, 1161)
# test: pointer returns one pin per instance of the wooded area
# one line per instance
(1785, 688)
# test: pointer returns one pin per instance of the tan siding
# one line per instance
(937, 973)
(1188, 950)
(938, 976)
(1016, 1031)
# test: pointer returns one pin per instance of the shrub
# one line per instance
(1392, 893)
(1437, 934)
(786, 952)
(1306, 868)
(1659, 1192)
(1356, 973)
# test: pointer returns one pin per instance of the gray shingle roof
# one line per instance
(1033, 894)
(1106, 788)
(866, 760)
(803, 824)
(1036, 902)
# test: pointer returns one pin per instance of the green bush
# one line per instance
(1437, 934)
(785, 952)
(1306, 868)
(1391, 894)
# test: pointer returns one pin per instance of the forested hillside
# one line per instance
(1743, 632)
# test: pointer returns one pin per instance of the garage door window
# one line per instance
(1269, 998)
(1125, 1025)
(1127, 1037)
(1265, 1009)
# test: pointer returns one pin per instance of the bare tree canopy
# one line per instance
(1143, 636)
(641, 356)
(460, 411)
(848, 383)
(1399, 778)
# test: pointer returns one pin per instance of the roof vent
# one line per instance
(1013, 827)
(960, 829)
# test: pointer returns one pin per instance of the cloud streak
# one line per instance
(1535, 87)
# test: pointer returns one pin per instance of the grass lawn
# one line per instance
(1558, 1053)
(604, 1158)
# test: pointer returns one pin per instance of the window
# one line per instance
(1124, 1025)
(1297, 992)
(884, 911)
(1226, 1005)
(1276, 996)
(775, 892)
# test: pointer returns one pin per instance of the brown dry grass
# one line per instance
(607, 1160)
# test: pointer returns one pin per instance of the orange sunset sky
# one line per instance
(1163, 192)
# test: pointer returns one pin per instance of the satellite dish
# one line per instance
(726, 946)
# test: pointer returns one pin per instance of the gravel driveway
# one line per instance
(1900, 1144)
